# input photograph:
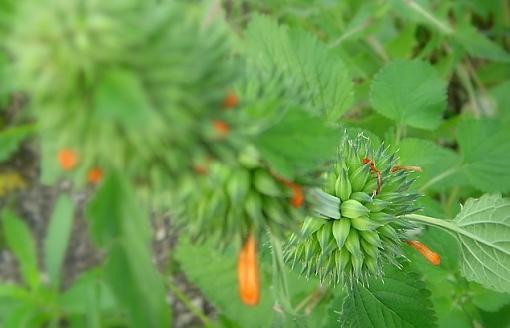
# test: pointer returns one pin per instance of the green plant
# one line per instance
(325, 145)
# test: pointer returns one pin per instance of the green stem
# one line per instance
(281, 288)
(466, 81)
(398, 133)
(438, 178)
(429, 17)
(187, 302)
(433, 222)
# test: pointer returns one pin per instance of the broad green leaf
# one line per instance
(441, 166)
(134, 280)
(500, 94)
(57, 237)
(109, 209)
(22, 244)
(118, 225)
(120, 97)
(216, 276)
(20, 317)
(485, 147)
(89, 296)
(298, 142)
(399, 300)
(480, 46)
(305, 60)
(11, 137)
(488, 300)
(410, 93)
(483, 229)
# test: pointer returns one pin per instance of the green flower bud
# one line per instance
(266, 184)
(325, 236)
(360, 177)
(361, 197)
(341, 230)
(343, 187)
(371, 237)
(377, 205)
(363, 223)
(238, 186)
(330, 182)
(382, 217)
(253, 206)
(352, 243)
(310, 225)
(366, 233)
(352, 209)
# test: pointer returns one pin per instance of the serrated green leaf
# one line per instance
(483, 229)
(401, 300)
(303, 58)
(22, 244)
(485, 146)
(410, 93)
(441, 166)
(57, 237)
(216, 275)
(480, 46)
(298, 142)
(488, 300)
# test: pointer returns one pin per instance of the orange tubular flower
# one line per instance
(67, 159)
(231, 100)
(94, 176)
(426, 252)
(248, 272)
(298, 197)
(221, 127)
(405, 168)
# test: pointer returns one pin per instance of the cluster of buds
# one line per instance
(358, 223)
(236, 201)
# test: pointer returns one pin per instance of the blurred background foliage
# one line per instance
(133, 88)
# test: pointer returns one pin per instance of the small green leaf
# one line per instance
(488, 300)
(11, 137)
(399, 300)
(485, 146)
(22, 244)
(480, 46)
(118, 225)
(410, 93)
(57, 237)
(120, 97)
(441, 166)
(305, 60)
(483, 229)
(298, 142)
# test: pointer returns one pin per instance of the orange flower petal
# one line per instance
(231, 100)
(426, 252)
(68, 159)
(95, 175)
(248, 272)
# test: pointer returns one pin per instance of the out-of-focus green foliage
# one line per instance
(157, 95)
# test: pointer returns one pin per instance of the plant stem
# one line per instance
(466, 81)
(438, 178)
(428, 220)
(281, 288)
(187, 302)
(429, 17)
